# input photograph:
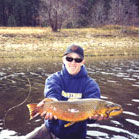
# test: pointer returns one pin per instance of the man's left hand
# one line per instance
(98, 117)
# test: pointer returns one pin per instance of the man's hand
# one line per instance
(98, 117)
(46, 115)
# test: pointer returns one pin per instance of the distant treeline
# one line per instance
(68, 13)
(19, 12)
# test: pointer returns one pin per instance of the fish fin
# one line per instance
(33, 110)
(69, 124)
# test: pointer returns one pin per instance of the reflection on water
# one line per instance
(118, 79)
(116, 130)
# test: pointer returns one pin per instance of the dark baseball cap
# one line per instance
(75, 49)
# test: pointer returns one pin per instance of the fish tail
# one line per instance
(33, 110)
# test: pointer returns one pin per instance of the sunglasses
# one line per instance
(77, 60)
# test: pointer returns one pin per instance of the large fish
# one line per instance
(76, 110)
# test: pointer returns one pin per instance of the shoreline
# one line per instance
(109, 40)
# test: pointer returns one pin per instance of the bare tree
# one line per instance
(57, 13)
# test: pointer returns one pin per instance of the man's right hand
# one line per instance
(47, 115)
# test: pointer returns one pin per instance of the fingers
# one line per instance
(98, 117)
(43, 114)
(48, 116)
(55, 117)
(41, 103)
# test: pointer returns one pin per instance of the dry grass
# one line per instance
(39, 42)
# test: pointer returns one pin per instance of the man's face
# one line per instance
(72, 66)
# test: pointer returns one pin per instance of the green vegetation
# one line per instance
(107, 40)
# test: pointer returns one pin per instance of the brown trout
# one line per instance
(76, 110)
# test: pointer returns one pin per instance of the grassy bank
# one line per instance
(39, 42)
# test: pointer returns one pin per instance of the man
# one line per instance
(72, 82)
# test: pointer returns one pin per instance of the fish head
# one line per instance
(113, 109)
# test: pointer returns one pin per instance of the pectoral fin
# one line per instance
(69, 124)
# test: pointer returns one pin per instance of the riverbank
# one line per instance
(22, 42)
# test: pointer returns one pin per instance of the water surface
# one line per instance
(118, 78)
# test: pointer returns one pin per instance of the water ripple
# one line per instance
(97, 133)
(2, 73)
(130, 113)
(111, 81)
(135, 100)
(104, 97)
(12, 75)
(135, 122)
(130, 79)
(115, 122)
(118, 137)
(114, 129)
(136, 85)
(9, 134)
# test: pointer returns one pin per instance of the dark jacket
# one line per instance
(63, 86)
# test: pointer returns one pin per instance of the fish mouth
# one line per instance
(114, 111)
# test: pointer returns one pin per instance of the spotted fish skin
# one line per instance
(76, 110)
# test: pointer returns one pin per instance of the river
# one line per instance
(118, 78)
